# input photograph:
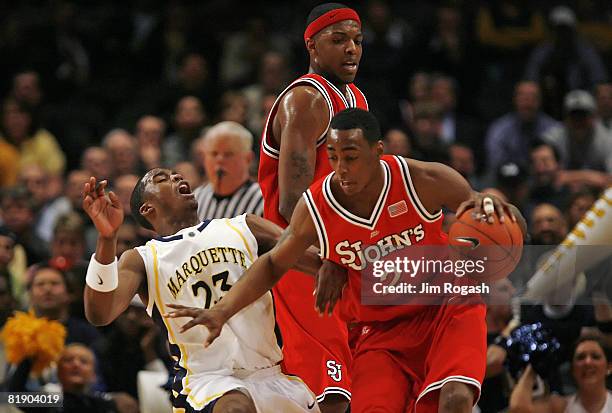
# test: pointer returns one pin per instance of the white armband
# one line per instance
(101, 277)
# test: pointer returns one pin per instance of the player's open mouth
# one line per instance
(352, 66)
(184, 189)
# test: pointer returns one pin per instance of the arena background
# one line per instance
(140, 81)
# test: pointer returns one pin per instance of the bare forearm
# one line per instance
(106, 249)
(99, 307)
(259, 279)
(294, 180)
(102, 307)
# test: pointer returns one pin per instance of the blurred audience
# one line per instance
(19, 215)
(189, 119)
(19, 127)
(603, 96)
(97, 162)
(582, 143)
(590, 367)
(150, 134)
(397, 142)
(547, 184)
(135, 343)
(510, 137)
(427, 130)
(123, 187)
(461, 159)
(77, 374)
(564, 63)
(123, 151)
(494, 395)
(274, 76)
(579, 203)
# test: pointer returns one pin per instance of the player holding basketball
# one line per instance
(423, 358)
(293, 156)
(194, 264)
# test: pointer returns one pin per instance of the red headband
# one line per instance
(329, 18)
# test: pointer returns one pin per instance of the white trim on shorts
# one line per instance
(334, 390)
(437, 385)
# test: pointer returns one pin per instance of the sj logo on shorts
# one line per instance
(334, 370)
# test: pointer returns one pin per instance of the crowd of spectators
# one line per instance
(516, 95)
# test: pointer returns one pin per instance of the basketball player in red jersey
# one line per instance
(293, 155)
(408, 358)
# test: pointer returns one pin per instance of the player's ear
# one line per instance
(146, 209)
(380, 148)
(310, 45)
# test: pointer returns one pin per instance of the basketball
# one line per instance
(499, 245)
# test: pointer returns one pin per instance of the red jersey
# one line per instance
(269, 153)
(398, 219)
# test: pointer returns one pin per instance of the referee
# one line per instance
(227, 158)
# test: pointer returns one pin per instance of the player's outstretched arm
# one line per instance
(267, 234)
(458, 196)
(266, 271)
(109, 286)
(303, 116)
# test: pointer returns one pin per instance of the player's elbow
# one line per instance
(97, 318)
(94, 313)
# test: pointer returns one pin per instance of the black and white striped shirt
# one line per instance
(246, 199)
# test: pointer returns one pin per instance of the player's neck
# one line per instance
(362, 203)
(329, 77)
(175, 224)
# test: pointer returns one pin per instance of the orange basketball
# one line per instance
(499, 245)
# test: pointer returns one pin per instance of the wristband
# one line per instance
(102, 277)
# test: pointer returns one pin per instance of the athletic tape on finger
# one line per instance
(488, 206)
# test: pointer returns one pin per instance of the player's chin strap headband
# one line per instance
(331, 17)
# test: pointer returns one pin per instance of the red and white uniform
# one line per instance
(314, 348)
(269, 153)
(404, 353)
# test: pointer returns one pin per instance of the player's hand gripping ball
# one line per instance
(498, 244)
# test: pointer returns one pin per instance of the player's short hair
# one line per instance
(136, 201)
(355, 118)
(321, 9)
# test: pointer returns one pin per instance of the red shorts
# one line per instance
(315, 348)
(399, 366)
